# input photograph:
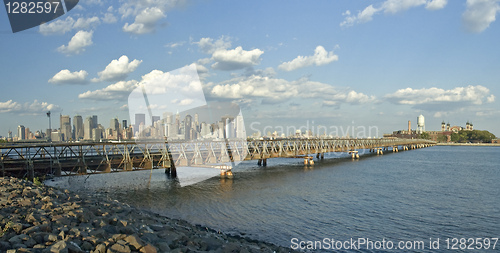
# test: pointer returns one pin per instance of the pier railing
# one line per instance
(101, 157)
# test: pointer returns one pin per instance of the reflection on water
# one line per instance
(435, 192)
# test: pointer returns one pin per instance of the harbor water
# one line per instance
(439, 193)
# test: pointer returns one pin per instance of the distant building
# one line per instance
(140, 118)
(65, 127)
(21, 133)
(87, 128)
(78, 126)
(154, 119)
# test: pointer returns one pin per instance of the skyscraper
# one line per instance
(240, 127)
(21, 134)
(154, 119)
(114, 124)
(124, 124)
(229, 127)
(187, 127)
(94, 121)
(140, 118)
(65, 122)
(87, 129)
(78, 124)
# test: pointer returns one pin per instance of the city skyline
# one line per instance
(338, 63)
(166, 128)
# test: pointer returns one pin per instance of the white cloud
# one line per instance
(476, 95)
(235, 58)
(62, 26)
(78, 43)
(86, 23)
(118, 69)
(479, 14)
(363, 16)
(275, 90)
(109, 18)
(58, 26)
(183, 102)
(67, 77)
(389, 7)
(320, 57)
(119, 90)
(436, 4)
(175, 44)
(135, 7)
(27, 108)
(209, 46)
(145, 22)
(395, 6)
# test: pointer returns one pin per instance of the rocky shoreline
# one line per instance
(39, 218)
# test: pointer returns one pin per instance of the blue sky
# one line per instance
(286, 63)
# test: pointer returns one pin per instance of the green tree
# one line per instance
(442, 138)
(425, 136)
(480, 136)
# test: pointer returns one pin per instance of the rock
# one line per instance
(100, 249)
(119, 248)
(17, 227)
(18, 246)
(117, 237)
(31, 230)
(231, 247)
(4, 245)
(30, 243)
(134, 242)
(59, 247)
(50, 238)
(210, 243)
(148, 249)
(39, 246)
(150, 238)
(163, 247)
(18, 239)
(126, 230)
(87, 246)
(74, 248)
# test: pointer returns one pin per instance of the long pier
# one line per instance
(38, 159)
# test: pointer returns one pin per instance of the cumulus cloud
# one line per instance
(78, 43)
(389, 7)
(27, 108)
(436, 4)
(67, 77)
(363, 16)
(433, 97)
(275, 90)
(479, 14)
(209, 45)
(145, 22)
(147, 13)
(86, 23)
(62, 26)
(235, 58)
(118, 69)
(109, 18)
(320, 57)
(116, 91)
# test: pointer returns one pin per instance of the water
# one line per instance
(438, 192)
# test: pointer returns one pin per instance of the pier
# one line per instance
(59, 159)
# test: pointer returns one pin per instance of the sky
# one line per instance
(338, 65)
